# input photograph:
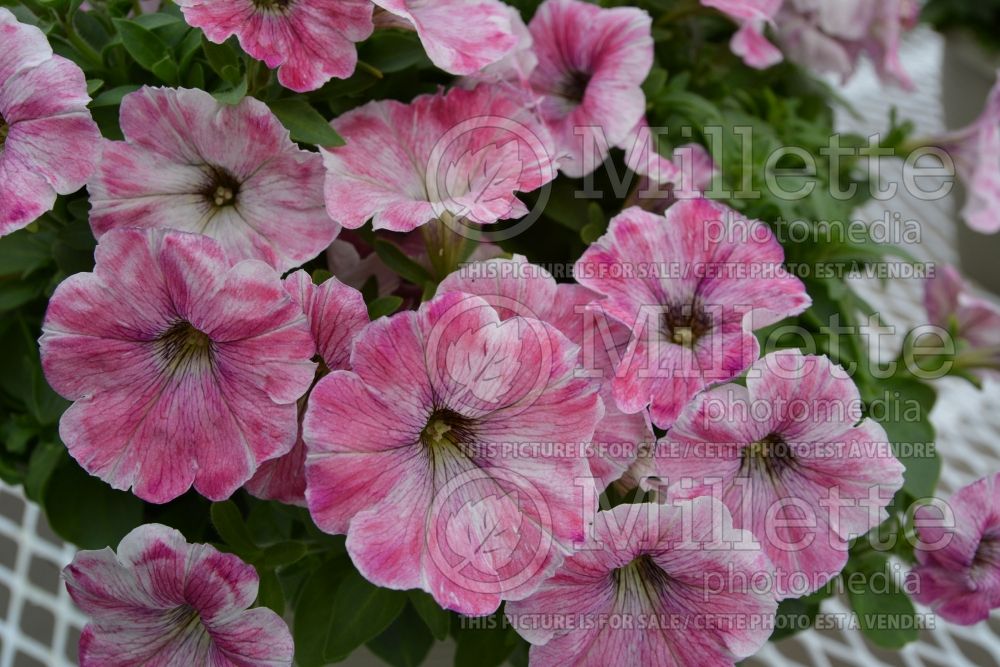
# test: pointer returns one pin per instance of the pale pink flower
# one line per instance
(972, 321)
(460, 36)
(976, 152)
(515, 287)
(442, 454)
(231, 172)
(692, 287)
(461, 154)
(792, 459)
(48, 141)
(184, 369)
(832, 35)
(310, 41)
(958, 556)
(686, 175)
(161, 602)
(658, 585)
(336, 314)
(515, 67)
(591, 65)
(749, 42)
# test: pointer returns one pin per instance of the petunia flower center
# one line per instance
(987, 553)
(685, 324)
(770, 455)
(4, 130)
(574, 86)
(276, 6)
(445, 431)
(183, 347)
(641, 579)
(221, 188)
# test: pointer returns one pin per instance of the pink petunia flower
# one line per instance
(336, 314)
(749, 41)
(692, 287)
(958, 556)
(515, 287)
(659, 585)
(184, 369)
(310, 41)
(686, 175)
(974, 322)
(976, 152)
(460, 36)
(193, 164)
(48, 141)
(591, 64)
(792, 459)
(463, 153)
(447, 455)
(161, 602)
(832, 35)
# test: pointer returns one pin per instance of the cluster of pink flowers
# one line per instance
(825, 35)
(461, 445)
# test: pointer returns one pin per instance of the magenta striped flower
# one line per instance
(692, 287)
(48, 141)
(657, 585)
(161, 602)
(793, 460)
(591, 64)
(336, 314)
(958, 557)
(183, 368)
(231, 172)
(514, 287)
(309, 41)
(448, 453)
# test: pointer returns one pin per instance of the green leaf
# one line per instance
(437, 620)
(304, 123)
(233, 94)
(147, 49)
(361, 611)
(904, 410)
(269, 594)
(93, 85)
(314, 612)
(23, 252)
(87, 512)
(885, 613)
(405, 643)
(384, 305)
(281, 554)
(400, 262)
(224, 59)
(113, 97)
(389, 51)
(484, 642)
(232, 529)
(44, 460)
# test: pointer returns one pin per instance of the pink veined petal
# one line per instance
(25, 45)
(226, 171)
(463, 152)
(591, 63)
(750, 44)
(460, 36)
(51, 143)
(354, 456)
(645, 542)
(161, 601)
(308, 41)
(746, 9)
